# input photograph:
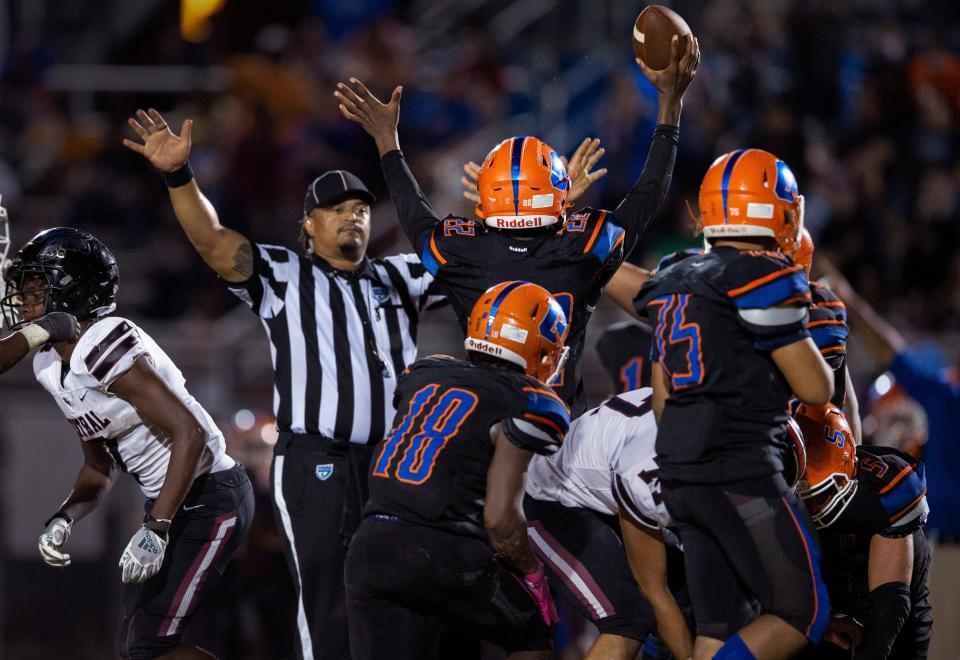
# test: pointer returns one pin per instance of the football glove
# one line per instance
(536, 583)
(143, 556)
(53, 539)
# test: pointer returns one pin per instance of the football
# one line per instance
(652, 33)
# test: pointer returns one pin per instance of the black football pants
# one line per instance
(319, 487)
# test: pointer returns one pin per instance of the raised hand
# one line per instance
(377, 118)
(472, 171)
(165, 150)
(580, 165)
(673, 81)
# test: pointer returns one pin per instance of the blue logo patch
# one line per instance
(786, 188)
(381, 294)
(558, 173)
(324, 471)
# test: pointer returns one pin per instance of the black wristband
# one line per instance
(161, 527)
(179, 177)
(58, 514)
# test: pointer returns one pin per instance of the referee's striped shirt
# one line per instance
(338, 340)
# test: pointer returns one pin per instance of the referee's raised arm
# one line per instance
(226, 251)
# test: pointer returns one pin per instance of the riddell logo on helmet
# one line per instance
(519, 222)
(483, 347)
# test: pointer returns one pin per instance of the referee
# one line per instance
(342, 328)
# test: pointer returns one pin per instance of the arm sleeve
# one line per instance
(264, 291)
(889, 609)
(417, 217)
(643, 200)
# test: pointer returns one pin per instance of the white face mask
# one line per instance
(555, 376)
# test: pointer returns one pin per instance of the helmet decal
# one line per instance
(786, 188)
(496, 305)
(516, 153)
(558, 172)
(554, 324)
(727, 171)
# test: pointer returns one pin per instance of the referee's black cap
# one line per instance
(335, 186)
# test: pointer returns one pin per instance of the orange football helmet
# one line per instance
(830, 480)
(750, 192)
(521, 323)
(523, 184)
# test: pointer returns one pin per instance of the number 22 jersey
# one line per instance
(431, 469)
(717, 317)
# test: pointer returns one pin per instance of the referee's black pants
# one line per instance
(319, 487)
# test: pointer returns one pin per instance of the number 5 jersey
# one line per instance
(431, 469)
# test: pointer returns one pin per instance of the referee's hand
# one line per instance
(165, 150)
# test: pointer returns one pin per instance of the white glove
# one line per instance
(53, 539)
(143, 556)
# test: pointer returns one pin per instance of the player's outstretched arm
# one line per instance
(624, 286)
(379, 120)
(50, 328)
(226, 251)
(810, 378)
(647, 556)
(642, 202)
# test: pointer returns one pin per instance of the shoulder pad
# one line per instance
(543, 422)
(442, 239)
(899, 482)
(107, 350)
(596, 232)
(757, 280)
(676, 257)
(822, 297)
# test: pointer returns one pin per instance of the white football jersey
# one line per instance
(105, 352)
(607, 462)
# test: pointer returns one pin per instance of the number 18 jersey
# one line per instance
(431, 469)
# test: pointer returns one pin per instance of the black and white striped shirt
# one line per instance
(338, 340)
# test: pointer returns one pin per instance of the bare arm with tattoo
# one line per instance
(226, 251)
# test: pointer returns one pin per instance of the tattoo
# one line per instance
(243, 260)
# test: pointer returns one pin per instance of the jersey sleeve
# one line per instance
(771, 295)
(416, 287)
(899, 483)
(417, 217)
(640, 205)
(264, 291)
(107, 351)
(828, 323)
(540, 423)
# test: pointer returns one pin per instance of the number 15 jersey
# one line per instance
(717, 317)
(431, 469)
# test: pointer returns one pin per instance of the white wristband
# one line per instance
(35, 335)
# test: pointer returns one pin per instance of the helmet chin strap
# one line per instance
(561, 363)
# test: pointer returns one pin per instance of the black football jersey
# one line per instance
(716, 319)
(431, 469)
(573, 262)
(624, 350)
(829, 331)
(890, 501)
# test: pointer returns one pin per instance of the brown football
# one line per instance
(652, 33)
